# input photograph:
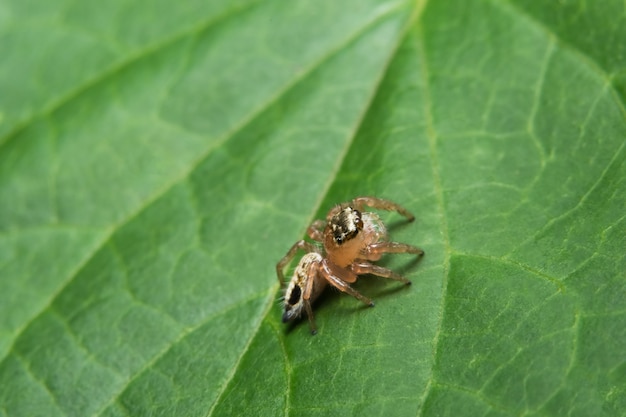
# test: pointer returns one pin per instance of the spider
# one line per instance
(351, 240)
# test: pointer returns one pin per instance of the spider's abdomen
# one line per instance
(374, 229)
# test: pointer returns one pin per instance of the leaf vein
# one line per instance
(184, 333)
(591, 63)
(432, 135)
(112, 71)
(221, 390)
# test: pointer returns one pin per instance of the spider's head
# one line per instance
(345, 225)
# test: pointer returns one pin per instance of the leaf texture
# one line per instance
(158, 159)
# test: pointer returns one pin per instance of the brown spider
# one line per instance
(352, 240)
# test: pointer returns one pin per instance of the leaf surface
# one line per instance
(157, 160)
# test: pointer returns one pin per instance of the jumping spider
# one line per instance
(351, 240)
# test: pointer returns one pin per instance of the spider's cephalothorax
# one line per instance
(345, 225)
(363, 230)
(352, 240)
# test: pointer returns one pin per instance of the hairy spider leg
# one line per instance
(374, 251)
(306, 297)
(342, 285)
(381, 204)
(361, 268)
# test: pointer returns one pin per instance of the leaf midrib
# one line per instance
(432, 136)
(419, 6)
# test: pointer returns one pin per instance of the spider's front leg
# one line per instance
(381, 204)
(310, 292)
(280, 266)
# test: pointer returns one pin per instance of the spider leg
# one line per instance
(381, 204)
(341, 285)
(306, 297)
(280, 266)
(374, 251)
(316, 230)
(361, 268)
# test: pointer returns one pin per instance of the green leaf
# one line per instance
(157, 159)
